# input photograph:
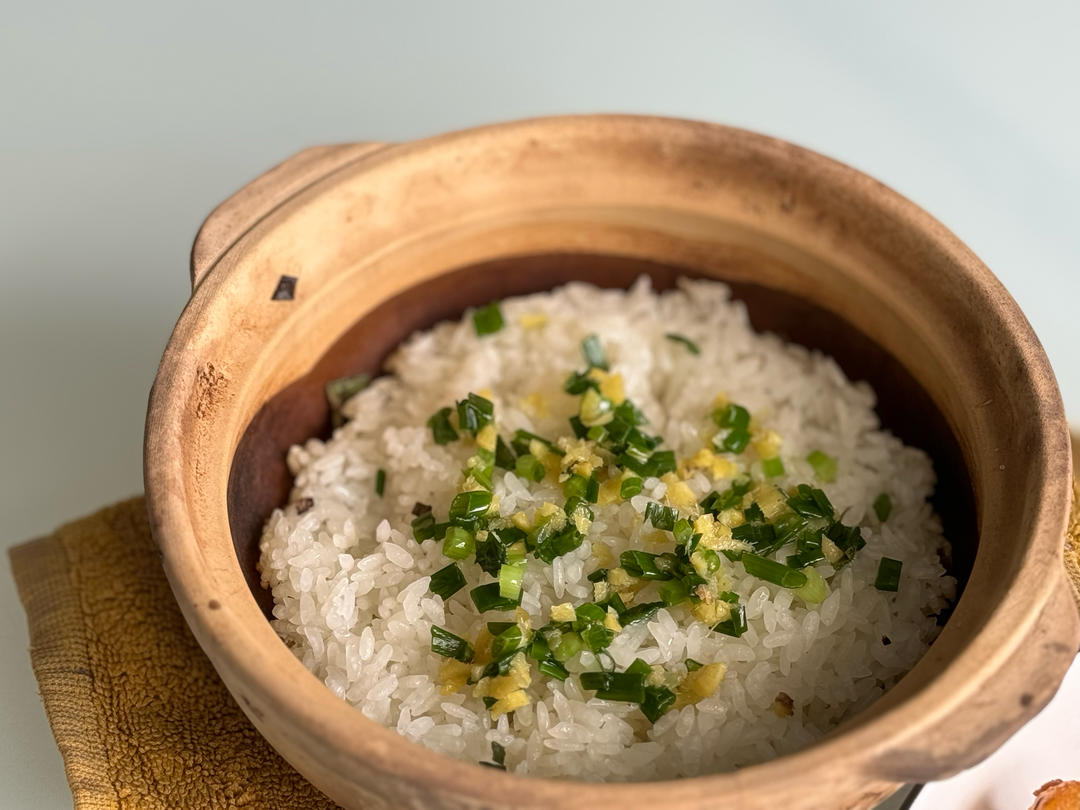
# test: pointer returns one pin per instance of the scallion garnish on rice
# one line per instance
(685, 341)
(488, 320)
(380, 482)
(888, 574)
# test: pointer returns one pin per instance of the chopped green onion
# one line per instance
(487, 597)
(732, 440)
(638, 613)
(594, 409)
(662, 517)
(759, 535)
(597, 433)
(660, 462)
(575, 486)
(597, 637)
(504, 454)
(712, 560)
(644, 565)
(673, 591)
(639, 667)
(734, 626)
(578, 383)
(623, 686)
(753, 512)
(468, 507)
(550, 666)
(888, 574)
(556, 545)
(458, 543)
(447, 581)
(683, 531)
(730, 597)
(568, 645)
(488, 320)
(495, 628)
(815, 590)
(685, 341)
(599, 575)
(423, 527)
(339, 391)
(594, 352)
(772, 467)
(498, 756)
(824, 466)
(692, 665)
(772, 571)
(441, 429)
(510, 578)
(810, 502)
(658, 699)
(592, 488)
(474, 412)
(732, 416)
(529, 467)
(883, 506)
(716, 502)
(490, 555)
(507, 642)
(522, 439)
(580, 431)
(630, 487)
(448, 645)
(848, 539)
(380, 482)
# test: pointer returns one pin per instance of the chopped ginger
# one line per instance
(611, 620)
(563, 613)
(680, 496)
(486, 436)
(453, 675)
(769, 498)
(536, 404)
(658, 537)
(609, 492)
(716, 535)
(716, 466)
(700, 684)
(720, 400)
(712, 611)
(533, 320)
(767, 444)
(603, 555)
(515, 700)
(521, 520)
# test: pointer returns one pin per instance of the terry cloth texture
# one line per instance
(140, 716)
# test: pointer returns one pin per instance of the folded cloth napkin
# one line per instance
(140, 716)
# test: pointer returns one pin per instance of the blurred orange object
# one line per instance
(1057, 795)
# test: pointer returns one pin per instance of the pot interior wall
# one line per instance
(259, 480)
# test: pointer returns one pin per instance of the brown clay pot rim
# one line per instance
(271, 670)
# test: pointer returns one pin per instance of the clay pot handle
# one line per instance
(243, 210)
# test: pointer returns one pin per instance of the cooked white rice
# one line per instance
(350, 584)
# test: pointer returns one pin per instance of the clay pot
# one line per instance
(380, 240)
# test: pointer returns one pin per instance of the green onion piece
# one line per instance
(734, 626)
(580, 431)
(685, 341)
(468, 507)
(888, 574)
(640, 667)
(639, 613)
(380, 482)
(458, 543)
(824, 466)
(441, 429)
(753, 512)
(734, 556)
(643, 565)
(423, 527)
(711, 558)
(488, 320)
(510, 577)
(575, 486)
(447, 581)
(883, 506)
(599, 575)
(592, 488)
(521, 439)
(495, 628)
(772, 467)
(578, 383)
(597, 637)
(623, 686)
(732, 416)
(673, 591)
(683, 531)
(594, 409)
(556, 545)
(507, 642)
(490, 555)
(692, 665)
(588, 613)
(848, 539)
(658, 700)
(815, 590)
(772, 571)
(487, 597)
(504, 454)
(489, 702)
(662, 517)
(340, 391)
(594, 352)
(474, 412)
(732, 440)
(529, 468)
(568, 645)
(549, 666)
(730, 597)
(761, 536)
(615, 601)
(630, 487)
(810, 502)
(448, 645)
(716, 502)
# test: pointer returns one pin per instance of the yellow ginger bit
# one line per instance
(521, 520)
(611, 620)
(731, 517)
(518, 676)
(680, 496)
(538, 449)
(712, 611)
(579, 456)
(600, 591)
(609, 492)
(701, 565)
(783, 705)
(533, 320)
(720, 400)
(611, 385)
(563, 613)
(699, 684)
(486, 394)
(482, 648)
(767, 444)
(453, 675)
(603, 555)
(619, 579)
(523, 621)
(581, 521)
(485, 438)
(831, 551)
(715, 535)
(656, 677)
(537, 404)
(547, 509)
(717, 466)
(515, 700)
(769, 498)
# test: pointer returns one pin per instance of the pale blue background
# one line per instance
(123, 123)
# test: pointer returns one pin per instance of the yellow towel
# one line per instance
(140, 716)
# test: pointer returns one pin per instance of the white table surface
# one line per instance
(123, 123)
